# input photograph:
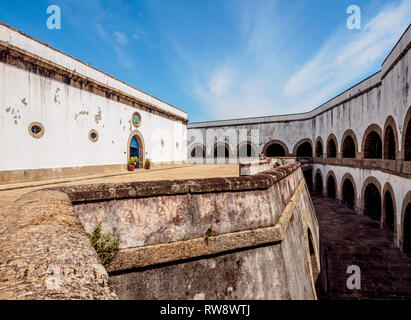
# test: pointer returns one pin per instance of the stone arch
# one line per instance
(319, 148)
(389, 210)
(371, 198)
(299, 152)
(318, 182)
(331, 185)
(251, 151)
(406, 137)
(227, 151)
(195, 149)
(405, 234)
(348, 196)
(349, 144)
(332, 146)
(141, 149)
(390, 141)
(276, 148)
(372, 142)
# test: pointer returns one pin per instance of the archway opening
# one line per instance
(407, 229)
(318, 184)
(135, 150)
(348, 147)
(331, 187)
(305, 150)
(197, 152)
(319, 150)
(372, 202)
(331, 149)
(308, 176)
(246, 150)
(407, 143)
(373, 146)
(389, 144)
(275, 150)
(389, 211)
(348, 193)
(221, 151)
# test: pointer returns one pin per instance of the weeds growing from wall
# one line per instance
(106, 245)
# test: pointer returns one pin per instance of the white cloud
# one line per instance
(342, 59)
(120, 37)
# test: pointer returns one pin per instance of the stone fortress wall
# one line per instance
(266, 246)
(84, 116)
(357, 145)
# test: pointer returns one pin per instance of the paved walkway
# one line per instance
(11, 192)
(352, 239)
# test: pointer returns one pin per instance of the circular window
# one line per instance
(36, 130)
(93, 135)
(136, 119)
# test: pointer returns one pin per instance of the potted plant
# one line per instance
(147, 165)
(132, 163)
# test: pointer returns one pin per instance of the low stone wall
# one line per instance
(46, 254)
(257, 166)
(263, 225)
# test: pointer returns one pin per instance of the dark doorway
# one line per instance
(275, 150)
(331, 149)
(348, 193)
(407, 229)
(221, 151)
(331, 189)
(135, 150)
(373, 146)
(372, 202)
(318, 184)
(407, 143)
(305, 150)
(389, 144)
(319, 150)
(308, 176)
(197, 152)
(247, 150)
(348, 147)
(389, 211)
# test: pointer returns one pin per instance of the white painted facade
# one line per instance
(69, 113)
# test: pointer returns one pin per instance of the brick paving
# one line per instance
(352, 239)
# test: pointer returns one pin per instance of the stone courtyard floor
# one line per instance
(352, 239)
(11, 192)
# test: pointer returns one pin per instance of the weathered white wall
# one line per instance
(68, 114)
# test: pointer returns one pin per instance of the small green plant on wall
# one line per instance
(105, 245)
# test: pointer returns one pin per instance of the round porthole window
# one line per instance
(136, 119)
(93, 136)
(36, 130)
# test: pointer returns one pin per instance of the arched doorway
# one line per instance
(221, 151)
(389, 144)
(305, 150)
(407, 142)
(197, 152)
(348, 147)
(331, 147)
(372, 202)
(348, 193)
(247, 151)
(308, 176)
(319, 149)
(331, 187)
(275, 148)
(389, 213)
(318, 183)
(372, 146)
(136, 148)
(407, 229)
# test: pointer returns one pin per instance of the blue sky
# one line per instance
(223, 59)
